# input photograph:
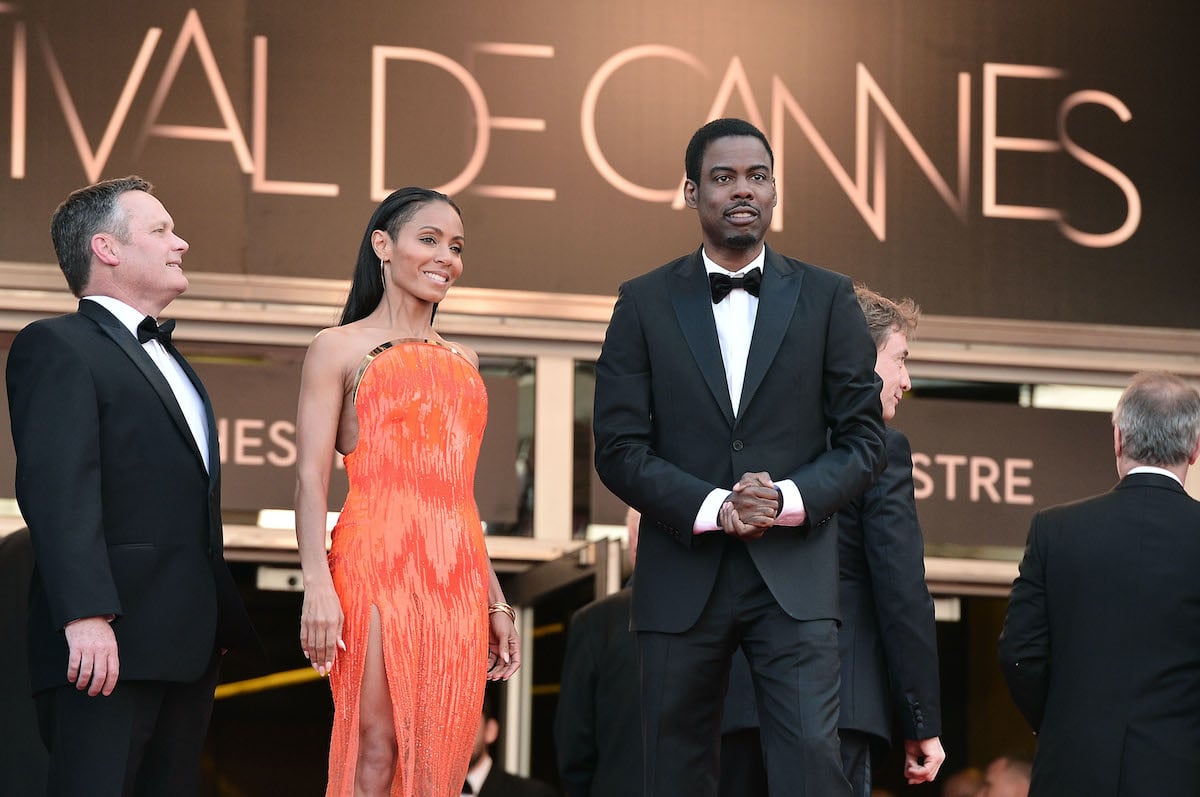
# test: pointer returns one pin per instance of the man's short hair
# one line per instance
(1159, 419)
(885, 316)
(85, 212)
(693, 157)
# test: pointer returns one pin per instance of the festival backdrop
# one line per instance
(1025, 159)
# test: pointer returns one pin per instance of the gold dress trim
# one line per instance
(370, 356)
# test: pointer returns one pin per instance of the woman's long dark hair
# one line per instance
(366, 286)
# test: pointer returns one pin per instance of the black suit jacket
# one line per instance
(501, 784)
(598, 725)
(123, 516)
(1101, 645)
(666, 435)
(888, 638)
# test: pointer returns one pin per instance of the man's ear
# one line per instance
(1195, 452)
(106, 249)
(689, 193)
(1117, 446)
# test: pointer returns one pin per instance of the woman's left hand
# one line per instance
(504, 647)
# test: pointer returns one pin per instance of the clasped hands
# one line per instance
(751, 507)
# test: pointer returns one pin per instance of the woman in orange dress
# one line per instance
(404, 613)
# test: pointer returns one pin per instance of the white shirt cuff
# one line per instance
(793, 504)
(706, 518)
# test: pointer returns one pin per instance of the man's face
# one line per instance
(485, 734)
(1001, 781)
(735, 198)
(891, 365)
(150, 255)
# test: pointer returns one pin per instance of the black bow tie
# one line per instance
(722, 284)
(150, 330)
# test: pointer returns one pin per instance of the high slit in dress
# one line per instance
(409, 545)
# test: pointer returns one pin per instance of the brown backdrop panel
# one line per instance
(560, 127)
(981, 470)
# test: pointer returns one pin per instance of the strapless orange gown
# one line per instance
(410, 544)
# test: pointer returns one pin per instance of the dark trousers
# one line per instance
(856, 760)
(794, 665)
(743, 773)
(143, 740)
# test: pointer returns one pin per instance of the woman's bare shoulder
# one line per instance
(465, 351)
(341, 347)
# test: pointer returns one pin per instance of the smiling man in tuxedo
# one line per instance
(118, 479)
(737, 409)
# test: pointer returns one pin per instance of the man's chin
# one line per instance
(745, 241)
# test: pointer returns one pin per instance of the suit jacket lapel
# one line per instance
(129, 344)
(693, 307)
(776, 306)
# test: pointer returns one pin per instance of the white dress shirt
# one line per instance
(1153, 469)
(185, 392)
(735, 316)
(479, 773)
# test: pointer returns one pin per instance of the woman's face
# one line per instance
(426, 256)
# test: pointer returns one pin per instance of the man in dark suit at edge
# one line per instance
(118, 479)
(1101, 643)
(485, 776)
(737, 409)
(598, 723)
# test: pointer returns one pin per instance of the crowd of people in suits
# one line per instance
(778, 625)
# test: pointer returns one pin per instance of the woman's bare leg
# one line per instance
(377, 753)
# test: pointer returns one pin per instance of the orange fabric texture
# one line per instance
(409, 543)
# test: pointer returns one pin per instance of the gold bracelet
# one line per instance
(503, 607)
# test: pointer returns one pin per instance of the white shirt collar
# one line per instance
(1153, 469)
(128, 316)
(479, 773)
(713, 268)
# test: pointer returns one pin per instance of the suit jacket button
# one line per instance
(737, 445)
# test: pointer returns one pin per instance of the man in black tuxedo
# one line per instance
(1101, 644)
(118, 478)
(485, 777)
(888, 637)
(737, 412)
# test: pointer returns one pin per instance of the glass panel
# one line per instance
(594, 505)
(504, 477)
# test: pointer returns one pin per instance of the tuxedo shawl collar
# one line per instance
(129, 344)
(692, 300)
